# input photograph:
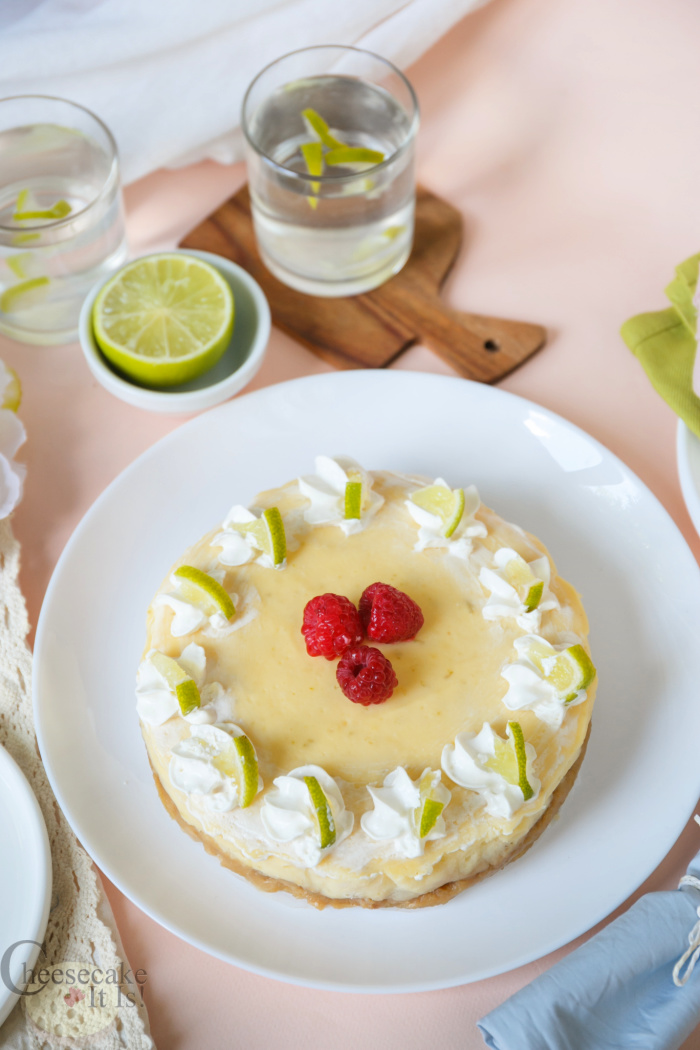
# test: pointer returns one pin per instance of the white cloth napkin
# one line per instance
(168, 76)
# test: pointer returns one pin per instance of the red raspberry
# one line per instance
(389, 615)
(331, 625)
(366, 676)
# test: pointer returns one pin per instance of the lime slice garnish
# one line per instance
(530, 589)
(429, 815)
(318, 125)
(12, 394)
(354, 155)
(429, 809)
(312, 153)
(187, 695)
(322, 812)
(24, 295)
(24, 238)
(445, 503)
(569, 671)
(178, 681)
(572, 671)
(357, 476)
(267, 534)
(510, 759)
(164, 319)
(240, 762)
(353, 499)
(202, 590)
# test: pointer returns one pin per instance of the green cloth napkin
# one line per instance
(665, 343)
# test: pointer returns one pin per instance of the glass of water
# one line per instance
(61, 215)
(330, 135)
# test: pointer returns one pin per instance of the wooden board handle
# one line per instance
(478, 347)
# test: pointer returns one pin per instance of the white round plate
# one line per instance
(688, 455)
(605, 530)
(25, 881)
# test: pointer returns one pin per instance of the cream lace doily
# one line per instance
(81, 926)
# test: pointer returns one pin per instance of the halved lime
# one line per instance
(178, 681)
(569, 671)
(240, 761)
(319, 126)
(353, 500)
(202, 590)
(530, 589)
(322, 812)
(429, 809)
(510, 759)
(164, 319)
(267, 534)
(444, 502)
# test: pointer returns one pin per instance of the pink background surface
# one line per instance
(567, 134)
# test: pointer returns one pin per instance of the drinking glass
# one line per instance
(61, 215)
(330, 135)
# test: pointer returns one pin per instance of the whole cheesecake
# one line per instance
(397, 800)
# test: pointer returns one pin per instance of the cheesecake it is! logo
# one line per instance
(72, 999)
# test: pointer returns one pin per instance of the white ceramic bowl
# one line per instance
(240, 362)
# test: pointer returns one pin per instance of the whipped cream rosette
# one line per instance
(290, 815)
(190, 616)
(201, 766)
(470, 762)
(399, 806)
(532, 682)
(327, 492)
(156, 702)
(431, 528)
(505, 601)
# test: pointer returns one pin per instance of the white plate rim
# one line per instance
(672, 827)
(39, 862)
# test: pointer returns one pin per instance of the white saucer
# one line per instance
(25, 880)
(688, 455)
(240, 362)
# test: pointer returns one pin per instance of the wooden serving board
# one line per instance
(370, 330)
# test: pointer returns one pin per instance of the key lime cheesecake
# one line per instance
(365, 689)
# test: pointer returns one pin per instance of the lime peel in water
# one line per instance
(18, 296)
(354, 155)
(338, 152)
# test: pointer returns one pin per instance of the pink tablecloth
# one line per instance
(568, 136)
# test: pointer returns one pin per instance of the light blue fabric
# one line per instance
(616, 992)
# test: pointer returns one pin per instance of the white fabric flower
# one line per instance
(12, 436)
